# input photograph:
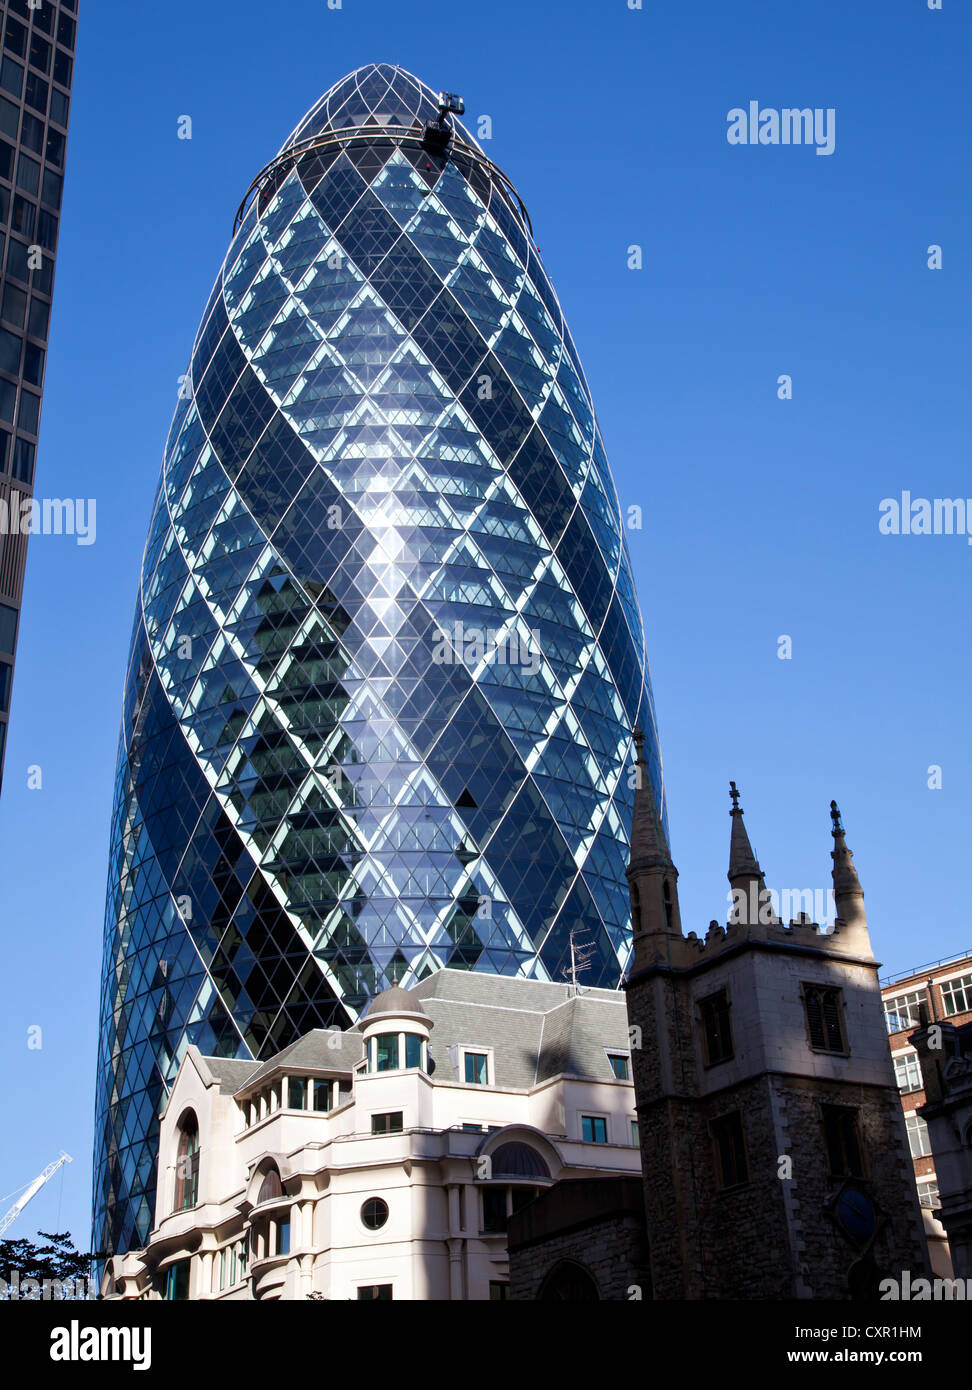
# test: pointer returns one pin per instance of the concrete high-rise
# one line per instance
(36, 71)
(387, 653)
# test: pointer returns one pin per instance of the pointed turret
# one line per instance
(848, 895)
(652, 877)
(745, 876)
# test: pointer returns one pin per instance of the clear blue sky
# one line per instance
(760, 516)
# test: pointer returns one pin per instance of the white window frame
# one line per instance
(903, 994)
(965, 978)
(476, 1051)
(583, 1115)
(610, 1052)
(918, 1129)
(909, 1057)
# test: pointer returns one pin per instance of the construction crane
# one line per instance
(32, 1191)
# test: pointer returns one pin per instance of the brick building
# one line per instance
(943, 989)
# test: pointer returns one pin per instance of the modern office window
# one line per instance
(825, 1021)
(957, 996)
(904, 1010)
(40, 54)
(10, 346)
(14, 305)
(36, 92)
(907, 1071)
(374, 1213)
(11, 76)
(32, 133)
(842, 1141)
(66, 30)
(5, 673)
(620, 1065)
(22, 217)
(716, 1028)
(730, 1145)
(8, 628)
(594, 1129)
(177, 1282)
(379, 1293)
(389, 1123)
(55, 147)
(15, 37)
(476, 1069)
(187, 1164)
(22, 467)
(59, 106)
(918, 1140)
(33, 367)
(297, 1092)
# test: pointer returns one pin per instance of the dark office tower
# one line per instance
(36, 68)
(387, 653)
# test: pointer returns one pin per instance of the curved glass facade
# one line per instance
(387, 653)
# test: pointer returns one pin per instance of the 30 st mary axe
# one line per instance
(387, 654)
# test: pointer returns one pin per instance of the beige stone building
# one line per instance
(385, 1162)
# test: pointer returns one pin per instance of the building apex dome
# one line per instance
(394, 1000)
(378, 94)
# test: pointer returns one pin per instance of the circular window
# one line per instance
(374, 1213)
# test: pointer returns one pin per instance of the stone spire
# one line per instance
(848, 894)
(649, 848)
(745, 876)
(652, 877)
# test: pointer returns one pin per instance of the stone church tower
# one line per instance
(773, 1147)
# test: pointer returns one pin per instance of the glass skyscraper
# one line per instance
(387, 654)
(36, 70)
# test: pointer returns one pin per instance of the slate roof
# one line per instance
(534, 1028)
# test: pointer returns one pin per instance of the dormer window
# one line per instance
(476, 1069)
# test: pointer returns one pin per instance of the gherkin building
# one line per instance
(387, 655)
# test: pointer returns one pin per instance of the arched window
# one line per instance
(270, 1187)
(187, 1163)
(514, 1160)
(568, 1282)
